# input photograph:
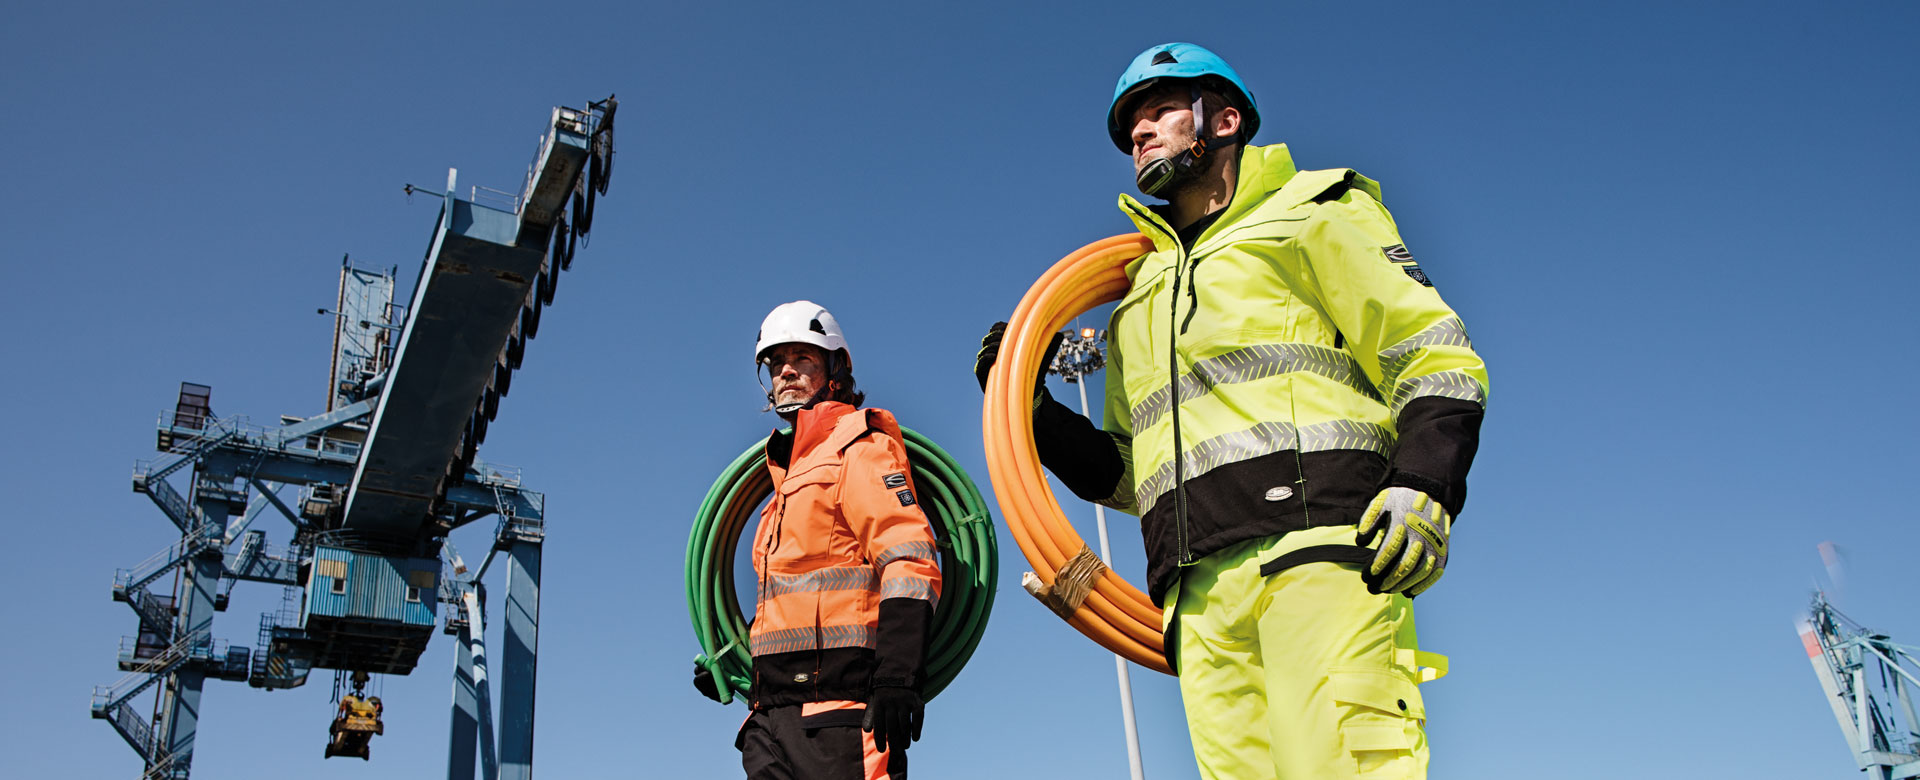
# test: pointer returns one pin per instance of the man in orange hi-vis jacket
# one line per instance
(846, 567)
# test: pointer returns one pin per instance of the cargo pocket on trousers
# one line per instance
(1382, 720)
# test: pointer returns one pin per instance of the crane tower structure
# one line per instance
(380, 478)
(1868, 680)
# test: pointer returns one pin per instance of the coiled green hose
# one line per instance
(968, 564)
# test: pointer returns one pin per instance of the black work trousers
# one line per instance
(805, 742)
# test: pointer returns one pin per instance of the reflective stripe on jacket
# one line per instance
(1303, 358)
(842, 533)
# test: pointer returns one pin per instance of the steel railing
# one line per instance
(105, 697)
(160, 562)
(500, 199)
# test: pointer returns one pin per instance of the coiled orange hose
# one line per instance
(1116, 614)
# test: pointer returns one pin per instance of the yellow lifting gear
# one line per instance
(356, 723)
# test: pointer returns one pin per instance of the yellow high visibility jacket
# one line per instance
(1284, 368)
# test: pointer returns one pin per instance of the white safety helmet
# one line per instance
(800, 322)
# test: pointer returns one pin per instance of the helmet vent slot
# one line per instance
(1165, 58)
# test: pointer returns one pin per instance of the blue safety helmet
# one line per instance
(1177, 61)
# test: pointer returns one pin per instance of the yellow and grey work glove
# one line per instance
(1412, 529)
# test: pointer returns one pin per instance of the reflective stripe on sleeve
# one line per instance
(908, 588)
(1446, 384)
(1450, 332)
(921, 550)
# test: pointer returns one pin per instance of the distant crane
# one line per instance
(383, 476)
(1868, 680)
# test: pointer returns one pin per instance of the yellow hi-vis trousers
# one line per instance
(1302, 675)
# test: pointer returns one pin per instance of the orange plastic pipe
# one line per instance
(1116, 614)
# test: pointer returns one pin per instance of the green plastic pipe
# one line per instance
(961, 523)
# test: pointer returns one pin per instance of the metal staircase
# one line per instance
(272, 668)
(126, 581)
(255, 561)
(190, 450)
(169, 500)
(132, 728)
(156, 614)
(144, 673)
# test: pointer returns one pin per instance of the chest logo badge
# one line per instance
(895, 480)
(1280, 493)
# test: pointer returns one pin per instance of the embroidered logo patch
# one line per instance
(1398, 253)
(906, 497)
(1417, 274)
(895, 480)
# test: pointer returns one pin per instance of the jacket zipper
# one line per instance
(1173, 389)
(1183, 549)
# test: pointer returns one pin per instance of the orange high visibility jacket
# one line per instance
(842, 535)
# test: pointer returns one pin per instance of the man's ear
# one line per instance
(1226, 122)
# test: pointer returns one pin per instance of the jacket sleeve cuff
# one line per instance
(1449, 496)
(900, 650)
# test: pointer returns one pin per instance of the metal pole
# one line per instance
(1080, 354)
(1119, 664)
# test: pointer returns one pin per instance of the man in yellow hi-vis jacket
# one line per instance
(1291, 410)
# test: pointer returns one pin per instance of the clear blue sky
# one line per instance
(1679, 233)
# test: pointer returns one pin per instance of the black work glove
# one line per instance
(990, 352)
(704, 682)
(894, 715)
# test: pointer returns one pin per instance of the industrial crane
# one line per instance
(383, 475)
(1868, 681)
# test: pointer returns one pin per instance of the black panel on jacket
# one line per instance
(1229, 504)
(839, 674)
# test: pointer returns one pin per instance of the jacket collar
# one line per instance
(1263, 171)
(817, 426)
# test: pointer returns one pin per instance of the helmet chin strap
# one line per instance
(1184, 165)
(794, 407)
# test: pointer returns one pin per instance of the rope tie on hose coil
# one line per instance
(1070, 586)
(1111, 611)
(962, 526)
